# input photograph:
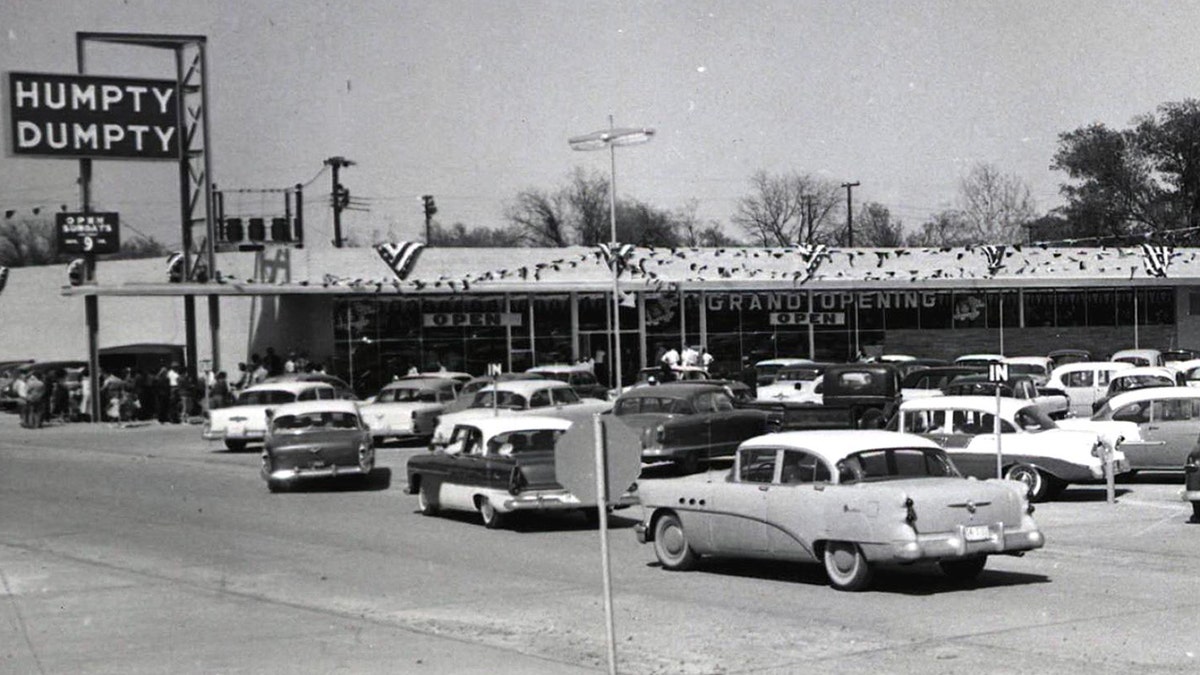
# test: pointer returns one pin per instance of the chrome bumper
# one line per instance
(323, 472)
(956, 545)
(557, 499)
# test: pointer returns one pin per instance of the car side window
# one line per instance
(540, 399)
(1134, 412)
(307, 395)
(704, 403)
(325, 394)
(1079, 378)
(801, 467)
(722, 402)
(757, 465)
(681, 407)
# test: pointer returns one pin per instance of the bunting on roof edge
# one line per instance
(1156, 259)
(399, 256)
(994, 256)
(811, 255)
(616, 256)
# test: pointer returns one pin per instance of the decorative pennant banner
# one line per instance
(616, 256)
(1156, 259)
(3, 277)
(175, 267)
(994, 256)
(811, 255)
(400, 256)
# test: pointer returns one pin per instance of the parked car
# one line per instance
(315, 439)
(794, 383)
(1141, 378)
(496, 466)
(460, 376)
(246, 420)
(581, 378)
(1062, 357)
(851, 396)
(978, 360)
(408, 408)
(1036, 367)
(1085, 382)
(1138, 357)
(1034, 450)
(1171, 357)
(466, 393)
(853, 500)
(1054, 403)
(766, 369)
(344, 391)
(688, 423)
(930, 381)
(517, 397)
(1168, 419)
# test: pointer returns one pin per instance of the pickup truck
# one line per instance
(855, 396)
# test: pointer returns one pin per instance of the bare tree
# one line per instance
(782, 210)
(947, 228)
(542, 218)
(873, 226)
(587, 194)
(995, 205)
(458, 236)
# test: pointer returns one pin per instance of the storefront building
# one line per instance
(463, 309)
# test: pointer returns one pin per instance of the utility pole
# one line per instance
(807, 216)
(430, 210)
(340, 197)
(850, 212)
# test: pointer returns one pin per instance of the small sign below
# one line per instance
(87, 233)
(997, 372)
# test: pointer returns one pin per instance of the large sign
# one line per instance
(458, 319)
(88, 116)
(94, 233)
(821, 301)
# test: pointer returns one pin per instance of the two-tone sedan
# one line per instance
(409, 408)
(1034, 449)
(688, 423)
(496, 466)
(852, 499)
(1168, 419)
(246, 420)
(315, 439)
(517, 397)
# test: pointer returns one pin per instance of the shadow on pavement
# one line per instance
(1087, 494)
(548, 521)
(918, 579)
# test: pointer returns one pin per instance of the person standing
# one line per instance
(20, 388)
(162, 396)
(706, 359)
(85, 395)
(690, 357)
(219, 396)
(35, 393)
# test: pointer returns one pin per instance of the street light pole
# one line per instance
(598, 140)
(850, 212)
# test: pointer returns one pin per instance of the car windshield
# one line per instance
(265, 397)
(1033, 419)
(893, 464)
(1131, 382)
(503, 399)
(409, 395)
(315, 420)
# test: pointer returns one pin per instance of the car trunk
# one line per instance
(315, 449)
(942, 504)
(537, 469)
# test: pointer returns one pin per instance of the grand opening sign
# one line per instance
(89, 116)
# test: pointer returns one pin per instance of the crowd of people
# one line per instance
(167, 394)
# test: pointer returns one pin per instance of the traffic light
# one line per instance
(233, 230)
(430, 206)
(76, 272)
(258, 229)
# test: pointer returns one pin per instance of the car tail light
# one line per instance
(516, 480)
(1192, 464)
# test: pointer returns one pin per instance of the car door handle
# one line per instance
(764, 488)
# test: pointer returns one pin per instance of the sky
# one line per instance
(473, 101)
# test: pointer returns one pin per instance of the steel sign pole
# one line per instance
(996, 430)
(606, 565)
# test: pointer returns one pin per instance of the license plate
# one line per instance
(977, 533)
(237, 430)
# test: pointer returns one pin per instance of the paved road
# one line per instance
(148, 550)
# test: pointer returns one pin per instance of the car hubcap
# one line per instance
(672, 540)
(843, 560)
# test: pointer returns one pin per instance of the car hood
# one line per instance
(396, 407)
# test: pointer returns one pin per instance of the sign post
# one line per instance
(998, 373)
(590, 476)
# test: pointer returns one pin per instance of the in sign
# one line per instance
(997, 372)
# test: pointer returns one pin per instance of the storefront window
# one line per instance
(1010, 302)
(1070, 308)
(938, 312)
(1102, 308)
(1039, 308)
